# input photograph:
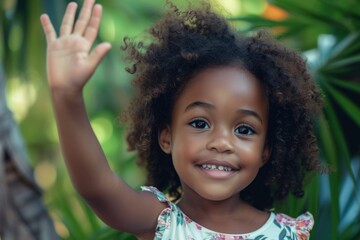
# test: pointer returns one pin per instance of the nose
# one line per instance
(221, 141)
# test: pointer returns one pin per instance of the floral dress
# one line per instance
(173, 224)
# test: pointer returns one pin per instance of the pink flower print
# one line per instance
(301, 225)
(285, 219)
(219, 236)
(304, 224)
(239, 238)
(187, 219)
(302, 235)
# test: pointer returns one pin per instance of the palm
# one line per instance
(69, 60)
(70, 52)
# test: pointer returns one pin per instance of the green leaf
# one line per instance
(308, 13)
(344, 45)
(90, 215)
(348, 11)
(290, 26)
(292, 31)
(340, 142)
(344, 62)
(107, 233)
(264, 22)
(347, 105)
(69, 218)
(352, 86)
(329, 150)
(312, 195)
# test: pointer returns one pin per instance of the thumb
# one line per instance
(98, 54)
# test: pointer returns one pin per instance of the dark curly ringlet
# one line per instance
(186, 42)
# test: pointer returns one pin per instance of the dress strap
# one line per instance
(159, 195)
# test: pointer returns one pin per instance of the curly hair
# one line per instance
(186, 42)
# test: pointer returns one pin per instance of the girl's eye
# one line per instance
(244, 130)
(199, 124)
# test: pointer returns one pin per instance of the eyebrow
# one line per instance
(210, 106)
(199, 104)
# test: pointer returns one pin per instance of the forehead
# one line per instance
(225, 83)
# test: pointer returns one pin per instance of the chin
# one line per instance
(218, 195)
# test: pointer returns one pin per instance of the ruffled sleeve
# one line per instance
(301, 226)
(304, 224)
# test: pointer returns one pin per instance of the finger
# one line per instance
(98, 54)
(93, 27)
(84, 17)
(48, 28)
(68, 20)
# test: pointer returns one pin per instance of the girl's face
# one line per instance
(218, 131)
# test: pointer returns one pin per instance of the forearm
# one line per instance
(71, 61)
(81, 150)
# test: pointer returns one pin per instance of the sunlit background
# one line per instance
(327, 33)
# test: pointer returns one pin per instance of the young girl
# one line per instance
(222, 122)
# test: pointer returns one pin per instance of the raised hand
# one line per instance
(70, 61)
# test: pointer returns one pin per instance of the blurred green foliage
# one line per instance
(327, 32)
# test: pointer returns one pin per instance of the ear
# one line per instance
(164, 139)
(266, 154)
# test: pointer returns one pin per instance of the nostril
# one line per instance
(221, 145)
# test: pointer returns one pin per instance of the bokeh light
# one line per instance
(45, 174)
(21, 96)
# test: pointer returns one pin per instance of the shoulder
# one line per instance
(302, 225)
(159, 195)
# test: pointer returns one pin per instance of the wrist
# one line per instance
(66, 96)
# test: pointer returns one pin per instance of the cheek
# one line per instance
(250, 151)
(185, 147)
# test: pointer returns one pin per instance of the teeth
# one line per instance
(215, 167)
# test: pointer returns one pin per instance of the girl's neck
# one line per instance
(232, 215)
(193, 203)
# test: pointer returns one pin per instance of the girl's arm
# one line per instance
(69, 66)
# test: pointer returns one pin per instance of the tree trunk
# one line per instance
(22, 214)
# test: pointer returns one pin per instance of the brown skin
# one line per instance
(234, 136)
(219, 118)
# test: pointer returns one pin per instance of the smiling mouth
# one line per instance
(217, 167)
